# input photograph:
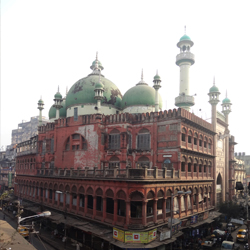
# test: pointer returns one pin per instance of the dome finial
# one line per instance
(185, 30)
(226, 93)
(157, 72)
(142, 75)
(58, 89)
(97, 55)
(214, 81)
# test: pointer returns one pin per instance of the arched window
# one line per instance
(143, 139)
(76, 142)
(114, 139)
(143, 161)
(114, 162)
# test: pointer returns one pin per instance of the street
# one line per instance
(36, 242)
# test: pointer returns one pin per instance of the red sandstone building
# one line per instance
(115, 168)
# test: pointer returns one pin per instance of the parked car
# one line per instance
(242, 235)
(229, 245)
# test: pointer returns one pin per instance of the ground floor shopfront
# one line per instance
(91, 235)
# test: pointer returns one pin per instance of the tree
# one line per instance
(230, 209)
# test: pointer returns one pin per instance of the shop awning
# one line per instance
(201, 223)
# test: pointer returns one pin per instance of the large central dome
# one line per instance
(82, 92)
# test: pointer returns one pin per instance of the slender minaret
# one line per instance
(184, 60)
(99, 90)
(40, 107)
(58, 103)
(214, 95)
(157, 85)
(226, 110)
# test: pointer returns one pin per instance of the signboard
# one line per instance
(9, 179)
(118, 234)
(218, 188)
(164, 235)
(152, 235)
(167, 156)
(194, 219)
(205, 215)
(136, 237)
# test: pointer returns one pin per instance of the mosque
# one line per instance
(125, 164)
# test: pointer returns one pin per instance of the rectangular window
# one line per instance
(195, 167)
(75, 114)
(189, 139)
(205, 144)
(183, 166)
(209, 146)
(200, 143)
(189, 167)
(43, 164)
(56, 196)
(143, 141)
(61, 197)
(129, 141)
(114, 164)
(50, 194)
(195, 141)
(183, 137)
(52, 145)
(52, 165)
(82, 199)
(74, 199)
(67, 145)
(114, 141)
(200, 168)
(44, 147)
(76, 137)
(67, 198)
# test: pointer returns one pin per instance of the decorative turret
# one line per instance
(99, 90)
(58, 102)
(226, 107)
(96, 66)
(157, 85)
(40, 107)
(214, 95)
(184, 60)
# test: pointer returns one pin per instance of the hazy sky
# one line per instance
(46, 43)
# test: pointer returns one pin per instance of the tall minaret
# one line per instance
(226, 109)
(157, 85)
(99, 90)
(214, 100)
(214, 95)
(58, 103)
(40, 107)
(184, 60)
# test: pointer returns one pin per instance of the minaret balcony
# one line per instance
(184, 101)
(185, 57)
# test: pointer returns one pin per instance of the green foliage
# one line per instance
(230, 209)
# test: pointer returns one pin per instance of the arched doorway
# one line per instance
(219, 189)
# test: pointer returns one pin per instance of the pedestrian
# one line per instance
(64, 239)
(77, 246)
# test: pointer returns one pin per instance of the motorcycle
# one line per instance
(246, 246)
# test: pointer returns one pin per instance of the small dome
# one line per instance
(58, 95)
(99, 65)
(140, 95)
(99, 85)
(185, 37)
(40, 101)
(213, 89)
(157, 77)
(62, 111)
(226, 100)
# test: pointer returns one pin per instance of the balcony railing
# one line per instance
(128, 173)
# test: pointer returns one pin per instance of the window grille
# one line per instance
(114, 141)
(143, 141)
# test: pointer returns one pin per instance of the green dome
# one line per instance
(62, 111)
(99, 85)
(99, 65)
(213, 89)
(40, 101)
(140, 95)
(58, 96)
(157, 77)
(185, 37)
(82, 92)
(226, 100)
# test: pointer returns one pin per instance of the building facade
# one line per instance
(122, 163)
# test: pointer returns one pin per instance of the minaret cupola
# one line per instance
(157, 85)
(226, 106)
(214, 95)
(58, 102)
(40, 107)
(184, 60)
